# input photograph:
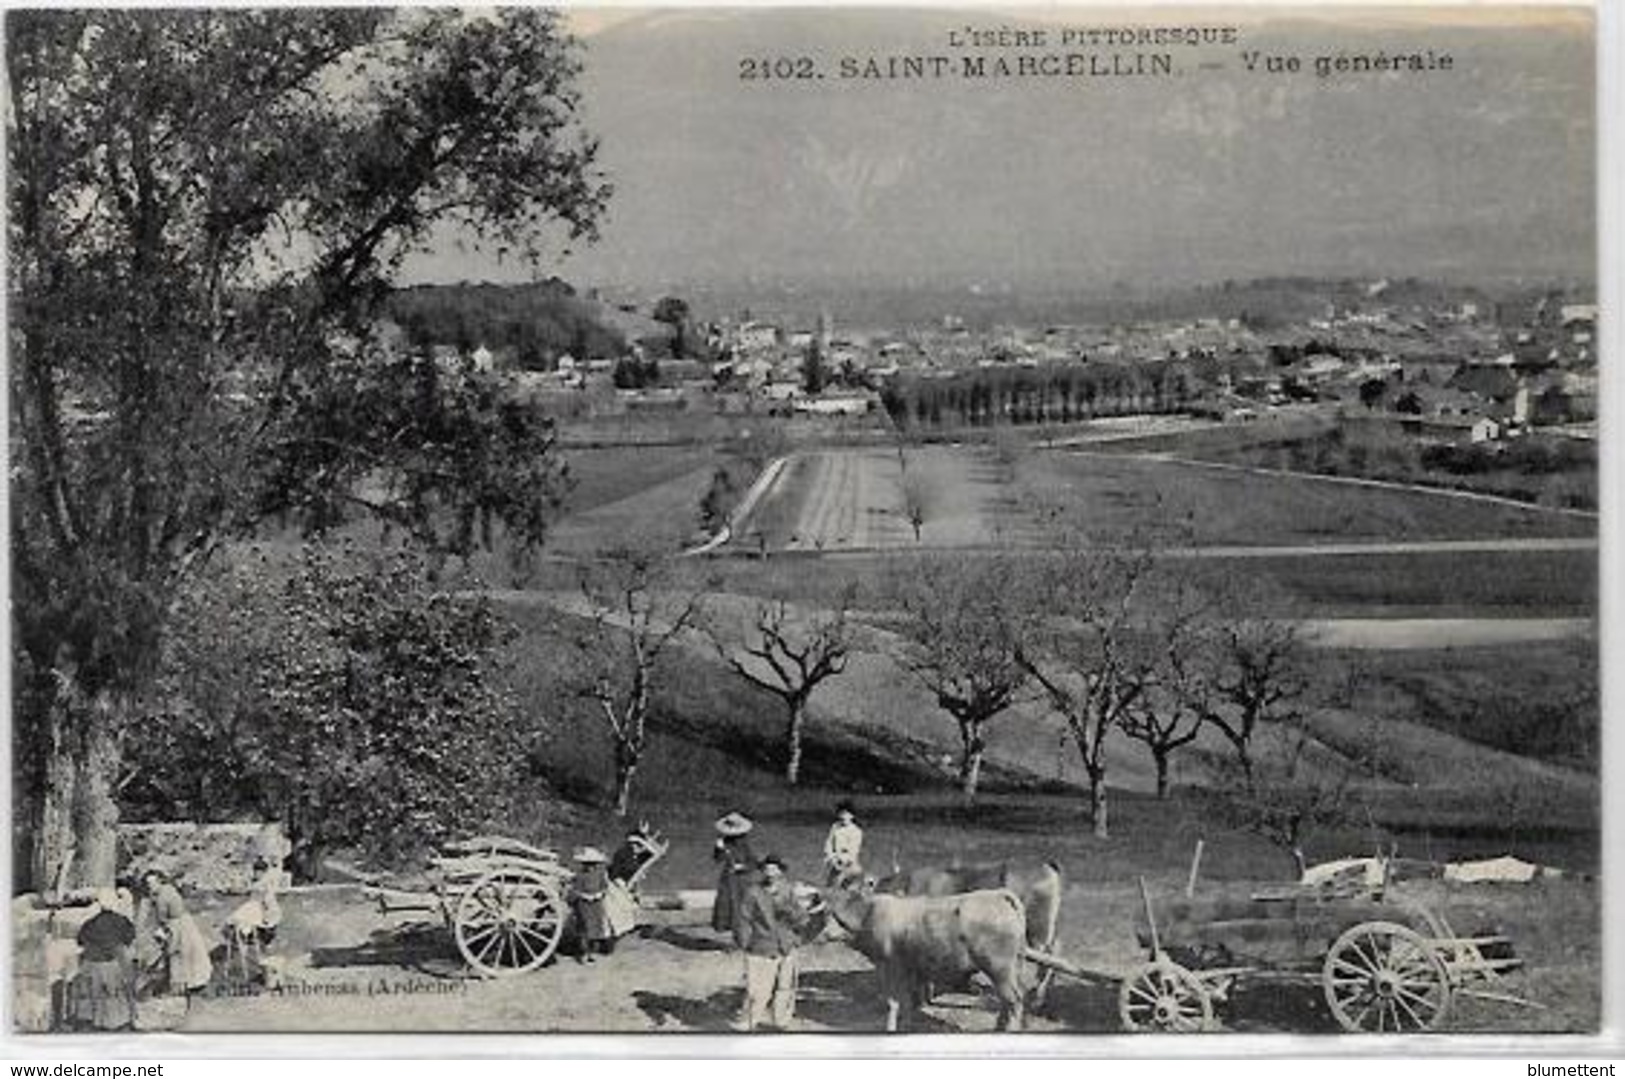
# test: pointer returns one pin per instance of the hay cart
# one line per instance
(1384, 966)
(502, 900)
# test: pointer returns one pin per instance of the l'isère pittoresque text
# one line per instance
(985, 53)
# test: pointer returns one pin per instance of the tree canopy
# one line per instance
(206, 208)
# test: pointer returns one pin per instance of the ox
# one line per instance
(1039, 889)
(916, 940)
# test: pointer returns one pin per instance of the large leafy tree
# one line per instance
(205, 208)
(353, 701)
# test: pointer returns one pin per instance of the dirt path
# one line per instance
(344, 973)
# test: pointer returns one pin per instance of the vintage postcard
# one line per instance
(1072, 519)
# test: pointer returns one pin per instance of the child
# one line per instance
(586, 896)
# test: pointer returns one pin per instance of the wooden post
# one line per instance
(1196, 866)
(1150, 920)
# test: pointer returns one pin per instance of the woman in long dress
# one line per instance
(186, 949)
(102, 995)
(737, 866)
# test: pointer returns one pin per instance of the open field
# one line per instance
(601, 475)
(837, 500)
(1116, 495)
(980, 495)
(1440, 584)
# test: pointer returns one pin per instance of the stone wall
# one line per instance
(202, 857)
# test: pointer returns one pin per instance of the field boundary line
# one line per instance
(1352, 481)
(1490, 545)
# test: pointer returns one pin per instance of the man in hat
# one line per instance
(736, 863)
(768, 930)
(586, 894)
(842, 848)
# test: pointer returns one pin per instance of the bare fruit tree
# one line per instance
(963, 623)
(1258, 674)
(1168, 716)
(1092, 663)
(789, 653)
(636, 608)
(1290, 791)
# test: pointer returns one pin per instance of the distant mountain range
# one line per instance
(1484, 172)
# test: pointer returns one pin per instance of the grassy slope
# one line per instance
(875, 734)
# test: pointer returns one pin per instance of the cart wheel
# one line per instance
(1383, 977)
(1165, 997)
(509, 921)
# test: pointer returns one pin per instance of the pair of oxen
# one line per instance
(937, 928)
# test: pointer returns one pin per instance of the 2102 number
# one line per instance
(781, 67)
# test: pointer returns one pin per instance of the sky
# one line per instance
(1484, 171)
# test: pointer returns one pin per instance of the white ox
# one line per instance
(917, 941)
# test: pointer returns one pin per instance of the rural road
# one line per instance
(1299, 550)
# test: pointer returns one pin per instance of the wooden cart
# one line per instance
(502, 900)
(1384, 966)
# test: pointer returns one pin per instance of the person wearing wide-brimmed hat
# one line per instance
(737, 864)
(586, 894)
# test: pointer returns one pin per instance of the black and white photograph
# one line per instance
(1065, 520)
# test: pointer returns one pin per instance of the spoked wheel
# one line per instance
(1164, 997)
(1381, 977)
(509, 921)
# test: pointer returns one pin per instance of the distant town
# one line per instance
(1445, 369)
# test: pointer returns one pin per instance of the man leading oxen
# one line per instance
(1040, 890)
(917, 941)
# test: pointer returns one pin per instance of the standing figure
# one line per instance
(640, 850)
(102, 995)
(187, 966)
(253, 924)
(843, 847)
(736, 865)
(769, 930)
(586, 894)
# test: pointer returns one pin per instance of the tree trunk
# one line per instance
(792, 767)
(76, 844)
(1097, 801)
(624, 771)
(53, 826)
(970, 765)
(1161, 757)
(95, 813)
